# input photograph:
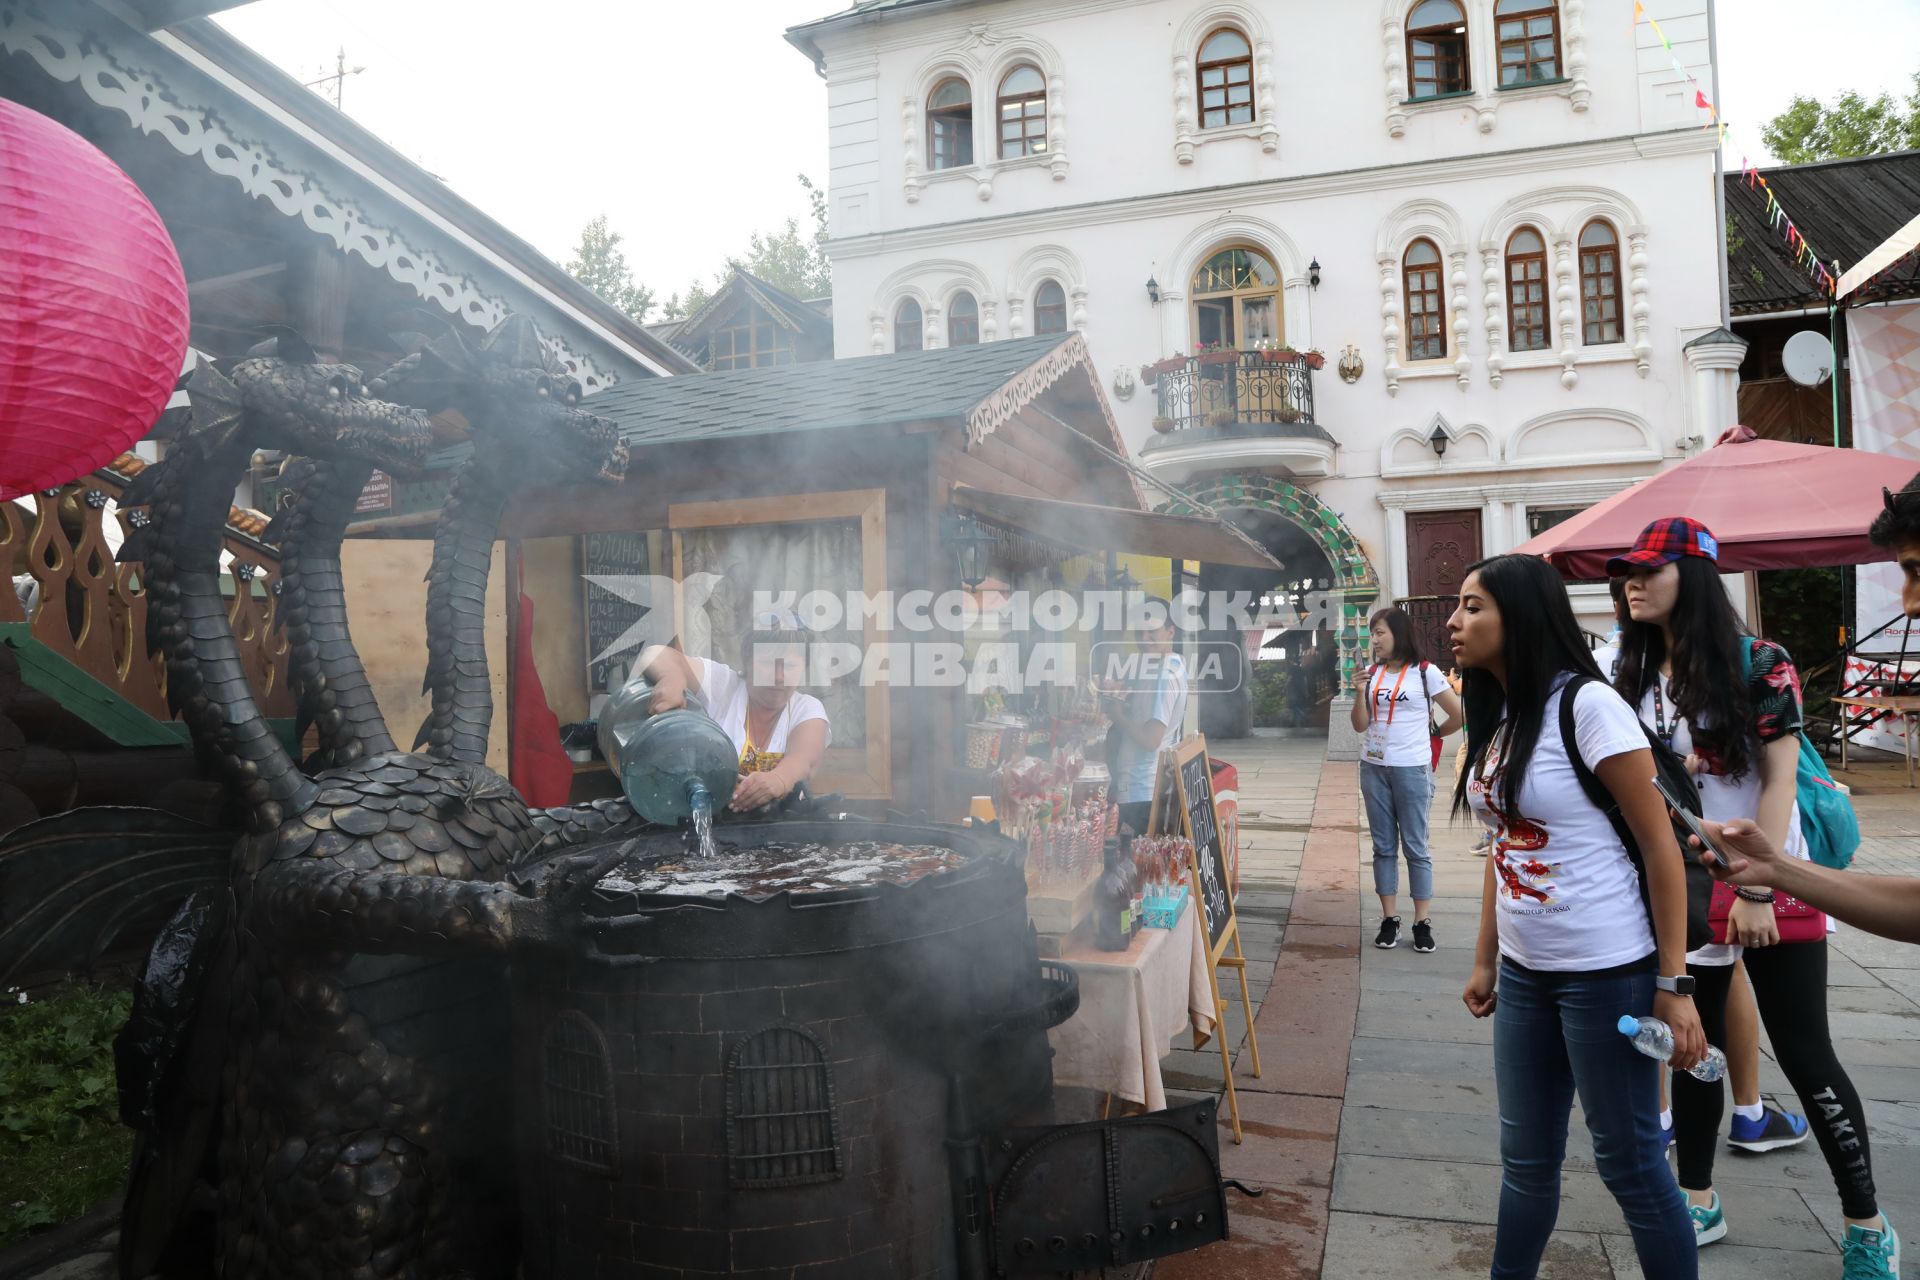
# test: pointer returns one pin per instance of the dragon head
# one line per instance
(523, 411)
(286, 397)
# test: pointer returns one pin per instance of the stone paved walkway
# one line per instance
(1374, 1127)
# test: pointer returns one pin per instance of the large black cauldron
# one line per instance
(732, 1085)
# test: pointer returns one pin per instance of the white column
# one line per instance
(1397, 576)
(1713, 383)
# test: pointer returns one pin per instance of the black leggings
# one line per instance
(1790, 986)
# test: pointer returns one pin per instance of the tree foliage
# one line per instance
(1848, 126)
(599, 264)
(788, 258)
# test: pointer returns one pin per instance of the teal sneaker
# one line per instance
(1870, 1255)
(1710, 1225)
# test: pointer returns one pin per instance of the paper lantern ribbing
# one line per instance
(93, 306)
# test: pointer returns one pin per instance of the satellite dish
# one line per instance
(1808, 357)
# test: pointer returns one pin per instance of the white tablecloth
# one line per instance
(1132, 1004)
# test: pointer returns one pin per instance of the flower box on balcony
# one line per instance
(1163, 424)
(1217, 357)
(1149, 373)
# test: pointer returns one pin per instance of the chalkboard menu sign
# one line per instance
(609, 614)
(1195, 775)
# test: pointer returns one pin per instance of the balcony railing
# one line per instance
(1232, 388)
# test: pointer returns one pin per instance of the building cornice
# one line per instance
(1425, 173)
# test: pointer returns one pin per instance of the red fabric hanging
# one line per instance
(537, 762)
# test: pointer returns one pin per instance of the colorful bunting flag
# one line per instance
(1775, 212)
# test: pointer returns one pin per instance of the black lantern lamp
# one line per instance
(972, 548)
(1153, 290)
(1439, 442)
(1313, 273)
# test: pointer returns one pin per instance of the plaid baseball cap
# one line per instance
(1665, 541)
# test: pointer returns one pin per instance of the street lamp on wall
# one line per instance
(1153, 291)
(972, 548)
(1313, 273)
(1439, 442)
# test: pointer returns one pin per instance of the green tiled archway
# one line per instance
(1355, 585)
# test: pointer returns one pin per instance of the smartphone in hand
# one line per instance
(1686, 819)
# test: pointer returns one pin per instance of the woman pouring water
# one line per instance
(779, 734)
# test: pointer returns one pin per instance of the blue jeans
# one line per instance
(1397, 799)
(1554, 1033)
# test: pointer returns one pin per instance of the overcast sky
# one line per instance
(686, 124)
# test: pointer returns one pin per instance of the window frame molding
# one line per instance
(1407, 34)
(1038, 264)
(1483, 59)
(1581, 252)
(1559, 214)
(1434, 220)
(1559, 47)
(982, 57)
(1188, 136)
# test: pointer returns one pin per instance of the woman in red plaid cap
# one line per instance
(1730, 704)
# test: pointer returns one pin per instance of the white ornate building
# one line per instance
(1495, 217)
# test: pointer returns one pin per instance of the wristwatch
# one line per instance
(1680, 986)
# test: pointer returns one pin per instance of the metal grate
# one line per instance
(579, 1089)
(782, 1127)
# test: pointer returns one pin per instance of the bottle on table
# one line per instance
(1654, 1038)
(1112, 899)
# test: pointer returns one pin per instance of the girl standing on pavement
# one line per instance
(1566, 944)
(1393, 711)
(1730, 704)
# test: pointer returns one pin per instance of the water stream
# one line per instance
(702, 805)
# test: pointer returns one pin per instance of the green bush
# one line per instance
(62, 1148)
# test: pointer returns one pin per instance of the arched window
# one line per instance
(1226, 79)
(783, 1128)
(1236, 300)
(950, 125)
(1527, 292)
(1050, 308)
(1023, 113)
(578, 1079)
(909, 329)
(1426, 302)
(1599, 283)
(1529, 36)
(1436, 49)
(963, 320)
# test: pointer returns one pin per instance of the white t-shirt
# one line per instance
(1398, 707)
(1566, 896)
(725, 693)
(1721, 799)
(1167, 703)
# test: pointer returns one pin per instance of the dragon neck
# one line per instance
(323, 667)
(457, 675)
(187, 620)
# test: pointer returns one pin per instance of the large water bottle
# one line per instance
(673, 766)
(1654, 1038)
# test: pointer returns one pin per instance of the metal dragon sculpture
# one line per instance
(357, 1132)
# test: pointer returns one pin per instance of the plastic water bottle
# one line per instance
(674, 766)
(1655, 1039)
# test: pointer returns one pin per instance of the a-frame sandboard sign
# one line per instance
(1183, 804)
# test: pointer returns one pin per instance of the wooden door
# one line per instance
(1440, 546)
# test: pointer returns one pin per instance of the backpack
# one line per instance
(1673, 771)
(1827, 821)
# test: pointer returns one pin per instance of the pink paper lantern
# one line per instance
(93, 306)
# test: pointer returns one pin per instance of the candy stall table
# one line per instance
(1132, 1004)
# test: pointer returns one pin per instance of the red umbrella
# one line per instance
(1771, 505)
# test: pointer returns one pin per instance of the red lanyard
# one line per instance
(1380, 680)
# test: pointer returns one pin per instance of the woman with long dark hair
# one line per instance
(1567, 944)
(1730, 704)
(1392, 709)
